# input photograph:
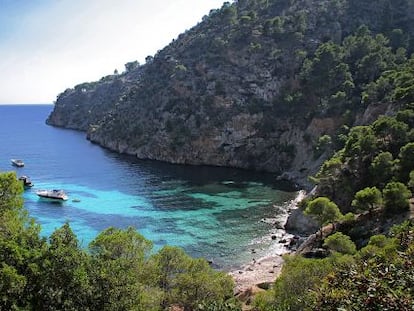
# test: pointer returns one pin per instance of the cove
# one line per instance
(211, 212)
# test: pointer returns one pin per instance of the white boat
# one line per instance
(55, 195)
(17, 162)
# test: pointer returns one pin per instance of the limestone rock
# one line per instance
(301, 224)
(224, 93)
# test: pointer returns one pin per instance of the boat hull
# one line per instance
(56, 196)
(17, 163)
(45, 198)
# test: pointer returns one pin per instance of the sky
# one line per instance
(47, 46)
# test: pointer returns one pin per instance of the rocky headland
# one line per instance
(228, 92)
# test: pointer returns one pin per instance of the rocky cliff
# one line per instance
(235, 90)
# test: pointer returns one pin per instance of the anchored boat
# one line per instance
(17, 162)
(53, 195)
(27, 183)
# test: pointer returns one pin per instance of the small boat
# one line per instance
(17, 162)
(54, 195)
(27, 183)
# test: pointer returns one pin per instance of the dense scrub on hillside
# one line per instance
(379, 153)
(369, 264)
(255, 85)
(380, 276)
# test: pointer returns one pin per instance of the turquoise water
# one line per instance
(211, 212)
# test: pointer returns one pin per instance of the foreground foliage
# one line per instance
(379, 276)
(119, 270)
(291, 289)
(384, 280)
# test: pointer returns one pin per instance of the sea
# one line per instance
(225, 215)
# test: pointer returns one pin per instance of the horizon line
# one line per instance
(24, 104)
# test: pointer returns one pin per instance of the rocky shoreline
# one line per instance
(260, 273)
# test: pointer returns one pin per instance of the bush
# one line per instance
(291, 289)
(396, 197)
(340, 243)
(323, 210)
(382, 279)
(411, 180)
(379, 246)
(367, 199)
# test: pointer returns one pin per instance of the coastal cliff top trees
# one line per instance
(131, 66)
(373, 155)
(268, 62)
(373, 170)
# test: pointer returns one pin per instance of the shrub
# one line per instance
(323, 210)
(396, 197)
(367, 199)
(340, 243)
(291, 289)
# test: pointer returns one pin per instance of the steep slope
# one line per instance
(255, 85)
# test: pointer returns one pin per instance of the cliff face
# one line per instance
(88, 103)
(228, 92)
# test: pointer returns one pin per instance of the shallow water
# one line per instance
(211, 212)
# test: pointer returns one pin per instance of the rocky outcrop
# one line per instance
(88, 103)
(301, 224)
(226, 92)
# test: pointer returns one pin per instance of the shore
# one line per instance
(261, 273)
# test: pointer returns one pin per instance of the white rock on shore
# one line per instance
(264, 270)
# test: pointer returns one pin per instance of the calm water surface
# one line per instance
(211, 212)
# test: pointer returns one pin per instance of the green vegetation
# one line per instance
(377, 277)
(371, 171)
(118, 271)
(340, 74)
(299, 275)
(367, 199)
(382, 281)
(373, 156)
(323, 210)
(396, 197)
(340, 243)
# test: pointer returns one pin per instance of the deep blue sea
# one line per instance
(211, 212)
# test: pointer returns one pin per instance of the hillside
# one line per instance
(264, 85)
(319, 88)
